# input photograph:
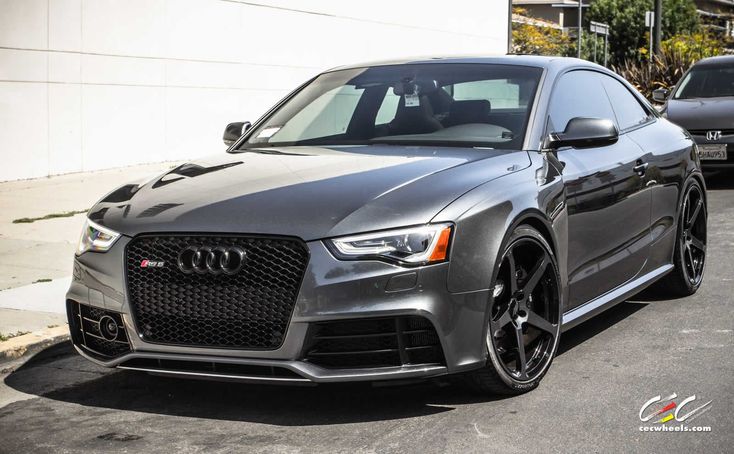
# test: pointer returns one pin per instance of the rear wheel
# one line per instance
(689, 256)
(524, 319)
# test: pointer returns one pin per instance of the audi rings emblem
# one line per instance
(212, 260)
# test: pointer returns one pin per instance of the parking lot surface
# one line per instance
(590, 400)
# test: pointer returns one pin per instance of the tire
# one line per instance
(525, 308)
(687, 274)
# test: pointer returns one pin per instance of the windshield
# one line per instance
(421, 104)
(707, 82)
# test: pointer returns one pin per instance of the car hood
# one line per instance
(702, 113)
(307, 192)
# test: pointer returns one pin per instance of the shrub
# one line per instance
(537, 40)
(626, 19)
(677, 54)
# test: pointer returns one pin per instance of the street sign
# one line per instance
(649, 18)
(599, 28)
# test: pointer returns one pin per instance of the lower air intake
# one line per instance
(376, 342)
(99, 332)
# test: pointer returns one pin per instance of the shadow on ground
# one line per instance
(286, 406)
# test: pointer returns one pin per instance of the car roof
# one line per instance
(722, 60)
(518, 60)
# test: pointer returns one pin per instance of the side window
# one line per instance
(629, 111)
(578, 94)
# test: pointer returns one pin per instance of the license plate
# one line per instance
(713, 151)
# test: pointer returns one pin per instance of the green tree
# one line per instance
(680, 17)
(626, 19)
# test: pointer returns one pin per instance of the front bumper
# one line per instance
(331, 290)
(713, 164)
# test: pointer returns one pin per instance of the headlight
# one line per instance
(412, 245)
(95, 238)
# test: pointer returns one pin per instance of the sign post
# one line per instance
(650, 23)
(598, 28)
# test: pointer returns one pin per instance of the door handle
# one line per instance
(640, 168)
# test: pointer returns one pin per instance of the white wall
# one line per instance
(92, 84)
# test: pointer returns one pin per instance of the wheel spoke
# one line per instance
(534, 319)
(521, 363)
(535, 275)
(504, 319)
(513, 271)
(689, 253)
(698, 244)
(692, 218)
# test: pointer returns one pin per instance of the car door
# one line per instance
(607, 203)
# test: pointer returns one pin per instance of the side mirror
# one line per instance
(234, 131)
(583, 132)
(660, 94)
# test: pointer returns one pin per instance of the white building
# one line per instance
(92, 84)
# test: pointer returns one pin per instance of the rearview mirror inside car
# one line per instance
(234, 131)
(660, 94)
(582, 132)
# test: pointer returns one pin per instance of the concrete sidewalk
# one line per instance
(37, 250)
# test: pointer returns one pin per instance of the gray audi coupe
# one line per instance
(401, 220)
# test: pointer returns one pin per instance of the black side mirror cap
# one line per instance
(582, 132)
(660, 95)
(234, 131)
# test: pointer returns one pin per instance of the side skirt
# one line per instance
(612, 298)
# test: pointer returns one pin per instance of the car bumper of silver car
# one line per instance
(411, 305)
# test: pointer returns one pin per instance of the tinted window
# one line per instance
(578, 94)
(628, 110)
(707, 82)
(439, 104)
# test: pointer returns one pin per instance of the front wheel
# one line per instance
(524, 319)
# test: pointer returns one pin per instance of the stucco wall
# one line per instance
(92, 84)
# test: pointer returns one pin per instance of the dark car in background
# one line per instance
(703, 103)
(397, 221)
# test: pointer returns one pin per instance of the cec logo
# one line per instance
(671, 410)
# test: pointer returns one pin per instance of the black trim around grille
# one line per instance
(702, 132)
(373, 342)
(248, 310)
(85, 331)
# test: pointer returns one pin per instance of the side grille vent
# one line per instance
(378, 342)
(99, 332)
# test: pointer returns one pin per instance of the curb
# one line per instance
(27, 344)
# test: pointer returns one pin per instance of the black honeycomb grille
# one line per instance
(250, 309)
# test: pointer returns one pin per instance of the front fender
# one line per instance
(487, 215)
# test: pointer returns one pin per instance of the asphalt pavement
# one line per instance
(590, 400)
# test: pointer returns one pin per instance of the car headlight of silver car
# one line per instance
(410, 246)
(96, 238)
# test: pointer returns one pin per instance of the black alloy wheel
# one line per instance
(525, 316)
(689, 256)
(692, 241)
